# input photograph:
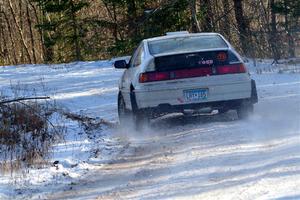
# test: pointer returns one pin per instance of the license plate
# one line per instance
(195, 95)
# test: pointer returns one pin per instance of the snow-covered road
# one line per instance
(199, 157)
(207, 157)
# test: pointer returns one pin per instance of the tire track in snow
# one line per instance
(206, 157)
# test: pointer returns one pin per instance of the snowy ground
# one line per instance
(200, 157)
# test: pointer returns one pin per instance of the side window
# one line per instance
(137, 57)
(132, 59)
(232, 58)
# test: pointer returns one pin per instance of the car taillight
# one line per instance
(153, 76)
(231, 69)
(176, 74)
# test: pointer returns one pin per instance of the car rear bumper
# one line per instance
(167, 108)
(225, 104)
(175, 97)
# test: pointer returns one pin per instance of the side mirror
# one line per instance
(120, 64)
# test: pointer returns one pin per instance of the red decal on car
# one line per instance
(222, 56)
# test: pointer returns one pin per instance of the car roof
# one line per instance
(180, 34)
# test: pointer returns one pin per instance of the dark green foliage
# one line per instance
(145, 20)
(62, 29)
(290, 7)
(122, 47)
(170, 18)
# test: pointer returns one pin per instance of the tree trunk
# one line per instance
(242, 25)
(4, 48)
(226, 22)
(13, 45)
(75, 33)
(195, 22)
(114, 16)
(40, 31)
(23, 59)
(132, 17)
(291, 45)
(31, 34)
(46, 38)
(273, 33)
(20, 32)
(207, 21)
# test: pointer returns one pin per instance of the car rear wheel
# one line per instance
(245, 110)
(129, 118)
(125, 115)
(223, 110)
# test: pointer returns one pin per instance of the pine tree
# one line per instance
(62, 29)
(144, 19)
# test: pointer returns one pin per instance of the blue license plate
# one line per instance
(195, 95)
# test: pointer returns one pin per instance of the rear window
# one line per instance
(186, 44)
(194, 60)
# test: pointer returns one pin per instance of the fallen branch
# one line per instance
(23, 99)
(88, 122)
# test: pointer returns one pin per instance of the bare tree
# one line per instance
(207, 21)
(291, 44)
(40, 31)
(241, 24)
(269, 34)
(132, 16)
(10, 35)
(31, 34)
(105, 28)
(226, 22)
(195, 22)
(20, 32)
(274, 36)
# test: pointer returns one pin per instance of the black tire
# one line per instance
(223, 110)
(245, 110)
(125, 115)
(128, 118)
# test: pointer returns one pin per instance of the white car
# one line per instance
(181, 72)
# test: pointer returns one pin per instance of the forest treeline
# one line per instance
(54, 31)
